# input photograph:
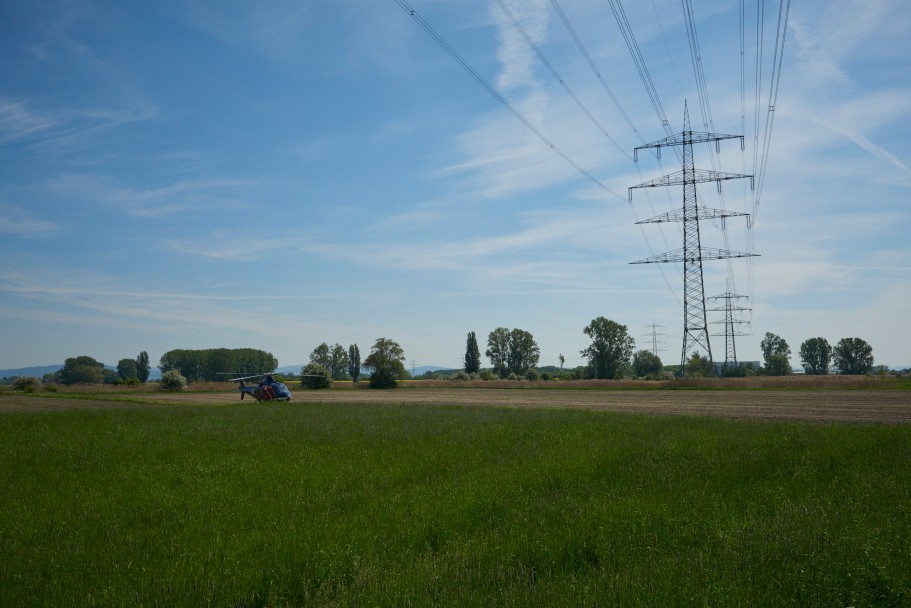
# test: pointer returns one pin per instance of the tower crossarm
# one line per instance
(728, 296)
(697, 176)
(687, 137)
(703, 213)
(734, 333)
(727, 308)
(704, 253)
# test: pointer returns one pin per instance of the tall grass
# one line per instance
(395, 505)
(793, 382)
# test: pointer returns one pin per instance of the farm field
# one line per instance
(457, 497)
(876, 406)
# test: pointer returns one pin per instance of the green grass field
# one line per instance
(410, 505)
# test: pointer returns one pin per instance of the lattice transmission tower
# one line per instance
(692, 254)
(731, 323)
(655, 337)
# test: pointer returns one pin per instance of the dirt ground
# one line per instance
(825, 406)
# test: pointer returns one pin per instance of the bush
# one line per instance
(460, 376)
(28, 384)
(173, 380)
(315, 376)
(126, 382)
(531, 374)
(487, 375)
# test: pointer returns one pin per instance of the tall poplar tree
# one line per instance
(472, 354)
(354, 362)
(143, 366)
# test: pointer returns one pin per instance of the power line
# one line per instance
(490, 89)
(403, 4)
(775, 79)
(639, 62)
(591, 64)
(540, 54)
(558, 78)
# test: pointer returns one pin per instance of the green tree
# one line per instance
(334, 358)
(251, 361)
(610, 350)
(816, 356)
(778, 365)
(498, 351)
(354, 362)
(338, 362)
(698, 366)
(186, 362)
(321, 355)
(142, 366)
(472, 354)
(523, 352)
(315, 376)
(385, 362)
(209, 364)
(126, 369)
(215, 362)
(646, 363)
(82, 370)
(776, 353)
(773, 344)
(853, 356)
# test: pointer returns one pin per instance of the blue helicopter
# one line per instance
(267, 389)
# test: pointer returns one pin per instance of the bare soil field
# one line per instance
(823, 406)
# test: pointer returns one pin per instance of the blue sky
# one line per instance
(279, 174)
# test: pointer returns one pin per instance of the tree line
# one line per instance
(86, 370)
(849, 356)
(512, 353)
(212, 364)
(385, 363)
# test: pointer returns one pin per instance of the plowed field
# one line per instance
(852, 406)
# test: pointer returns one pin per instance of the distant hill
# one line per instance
(37, 371)
(289, 369)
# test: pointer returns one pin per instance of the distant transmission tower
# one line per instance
(729, 307)
(653, 335)
(695, 328)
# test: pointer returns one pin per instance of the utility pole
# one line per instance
(695, 327)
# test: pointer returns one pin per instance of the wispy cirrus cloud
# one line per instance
(19, 221)
(178, 197)
(19, 121)
(235, 245)
(62, 130)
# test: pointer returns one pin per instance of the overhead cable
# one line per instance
(784, 8)
(496, 94)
